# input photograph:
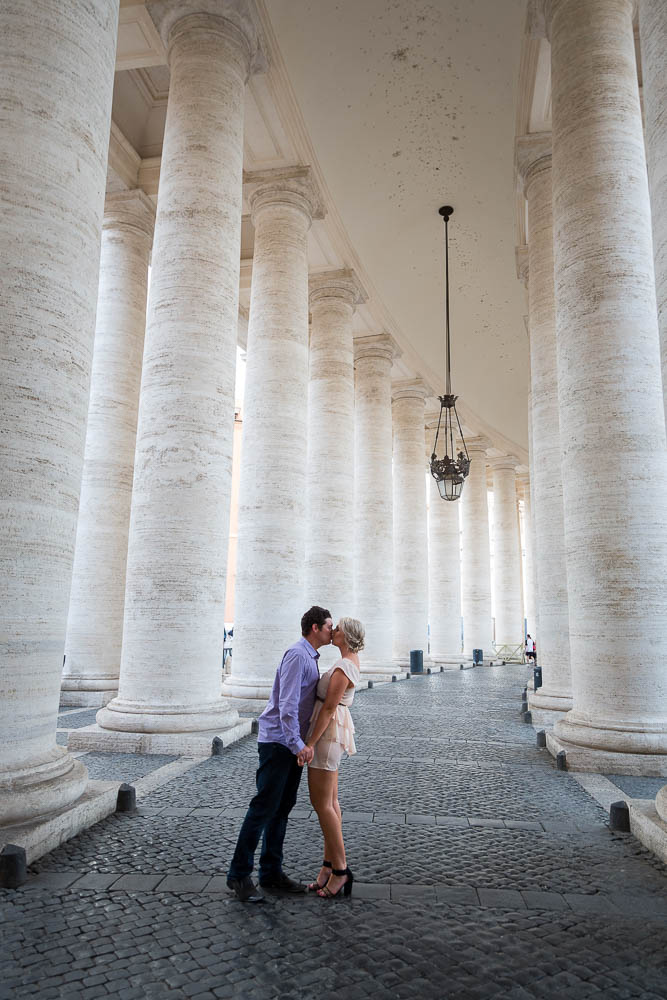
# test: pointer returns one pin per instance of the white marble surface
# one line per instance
(444, 570)
(57, 72)
(410, 526)
(612, 424)
(476, 558)
(373, 519)
(177, 553)
(272, 504)
(330, 552)
(555, 695)
(95, 619)
(508, 602)
(653, 42)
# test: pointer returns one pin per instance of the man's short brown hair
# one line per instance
(314, 616)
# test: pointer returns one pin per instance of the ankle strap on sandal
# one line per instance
(340, 871)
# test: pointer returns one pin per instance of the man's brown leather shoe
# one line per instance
(245, 890)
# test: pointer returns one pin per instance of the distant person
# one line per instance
(282, 753)
(331, 734)
(530, 648)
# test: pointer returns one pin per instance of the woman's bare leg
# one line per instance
(321, 785)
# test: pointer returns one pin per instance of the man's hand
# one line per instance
(305, 756)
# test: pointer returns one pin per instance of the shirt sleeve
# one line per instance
(291, 670)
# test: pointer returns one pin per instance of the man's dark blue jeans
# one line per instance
(278, 777)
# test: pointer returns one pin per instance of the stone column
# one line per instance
(476, 561)
(653, 40)
(553, 649)
(528, 587)
(444, 571)
(95, 621)
(612, 423)
(58, 72)
(410, 527)
(373, 523)
(270, 579)
(507, 554)
(330, 554)
(533, 547)
(170, 679)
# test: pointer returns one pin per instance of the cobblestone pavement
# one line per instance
(482, 872)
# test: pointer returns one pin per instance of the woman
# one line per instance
(331, 734)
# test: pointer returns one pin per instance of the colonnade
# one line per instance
(599, 458)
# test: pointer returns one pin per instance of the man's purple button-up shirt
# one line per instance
(285, 719)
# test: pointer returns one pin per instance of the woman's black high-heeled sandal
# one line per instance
(314, 886)
(346, 887)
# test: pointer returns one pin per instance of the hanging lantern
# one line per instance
(449, 471)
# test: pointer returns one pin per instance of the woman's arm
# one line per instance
(338, 685)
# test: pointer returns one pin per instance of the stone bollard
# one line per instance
(561, 761)
(619, 816)
(217, 747)
(127, 799)
(541, 738)
(13, 866)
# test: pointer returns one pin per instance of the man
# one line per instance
(282, 754)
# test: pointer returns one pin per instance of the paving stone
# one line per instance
(420, 820)
(389, 817)
(350, 816)
(399, 892)
(536, 899)
(136, 882)
(370, 890)
(507, 898)
(589, 904)
(519, 824)
(182, 883)
(489, 823)
(51, 880)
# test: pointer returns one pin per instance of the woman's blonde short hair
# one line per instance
(354, 633)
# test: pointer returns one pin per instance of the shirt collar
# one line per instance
(313, 652)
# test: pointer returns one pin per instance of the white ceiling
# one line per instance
(410, 106)
(400, 107)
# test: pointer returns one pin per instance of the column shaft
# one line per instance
(95, 620)
(272, 503)
(410, 527)
(174, 602)
(555, 695)
(476, 561)
(507, 556)
(444, 572)
(373, 525)
(653, 39)
(610, 394)
(58, 71)
(330, 464)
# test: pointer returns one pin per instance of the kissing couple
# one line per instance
(307, 721)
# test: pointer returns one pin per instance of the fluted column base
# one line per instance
(610, 747)
(247, 687)
(448, 660)
(43, 786)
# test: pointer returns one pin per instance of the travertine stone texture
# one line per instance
(528, 545)
(653, 41)
(373, 503)
(508, 601)
(444, 571)
(270, 579)
(330, 552)
(610, 394)
(410, 526)
(534, 160)
(535, 631)
(57, 80)
(95, 620)
(476, 556)
(177, 552)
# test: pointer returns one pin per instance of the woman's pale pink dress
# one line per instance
(338, 737)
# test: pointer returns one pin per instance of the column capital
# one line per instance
(532, 157)
(239, 20)
(342, 284)
(284, 186)
(409, 388)
(376, 345)
(523, 482)
(521, 259)
(540, 13)
(501, 462)
(478, 445)
(129, 210)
